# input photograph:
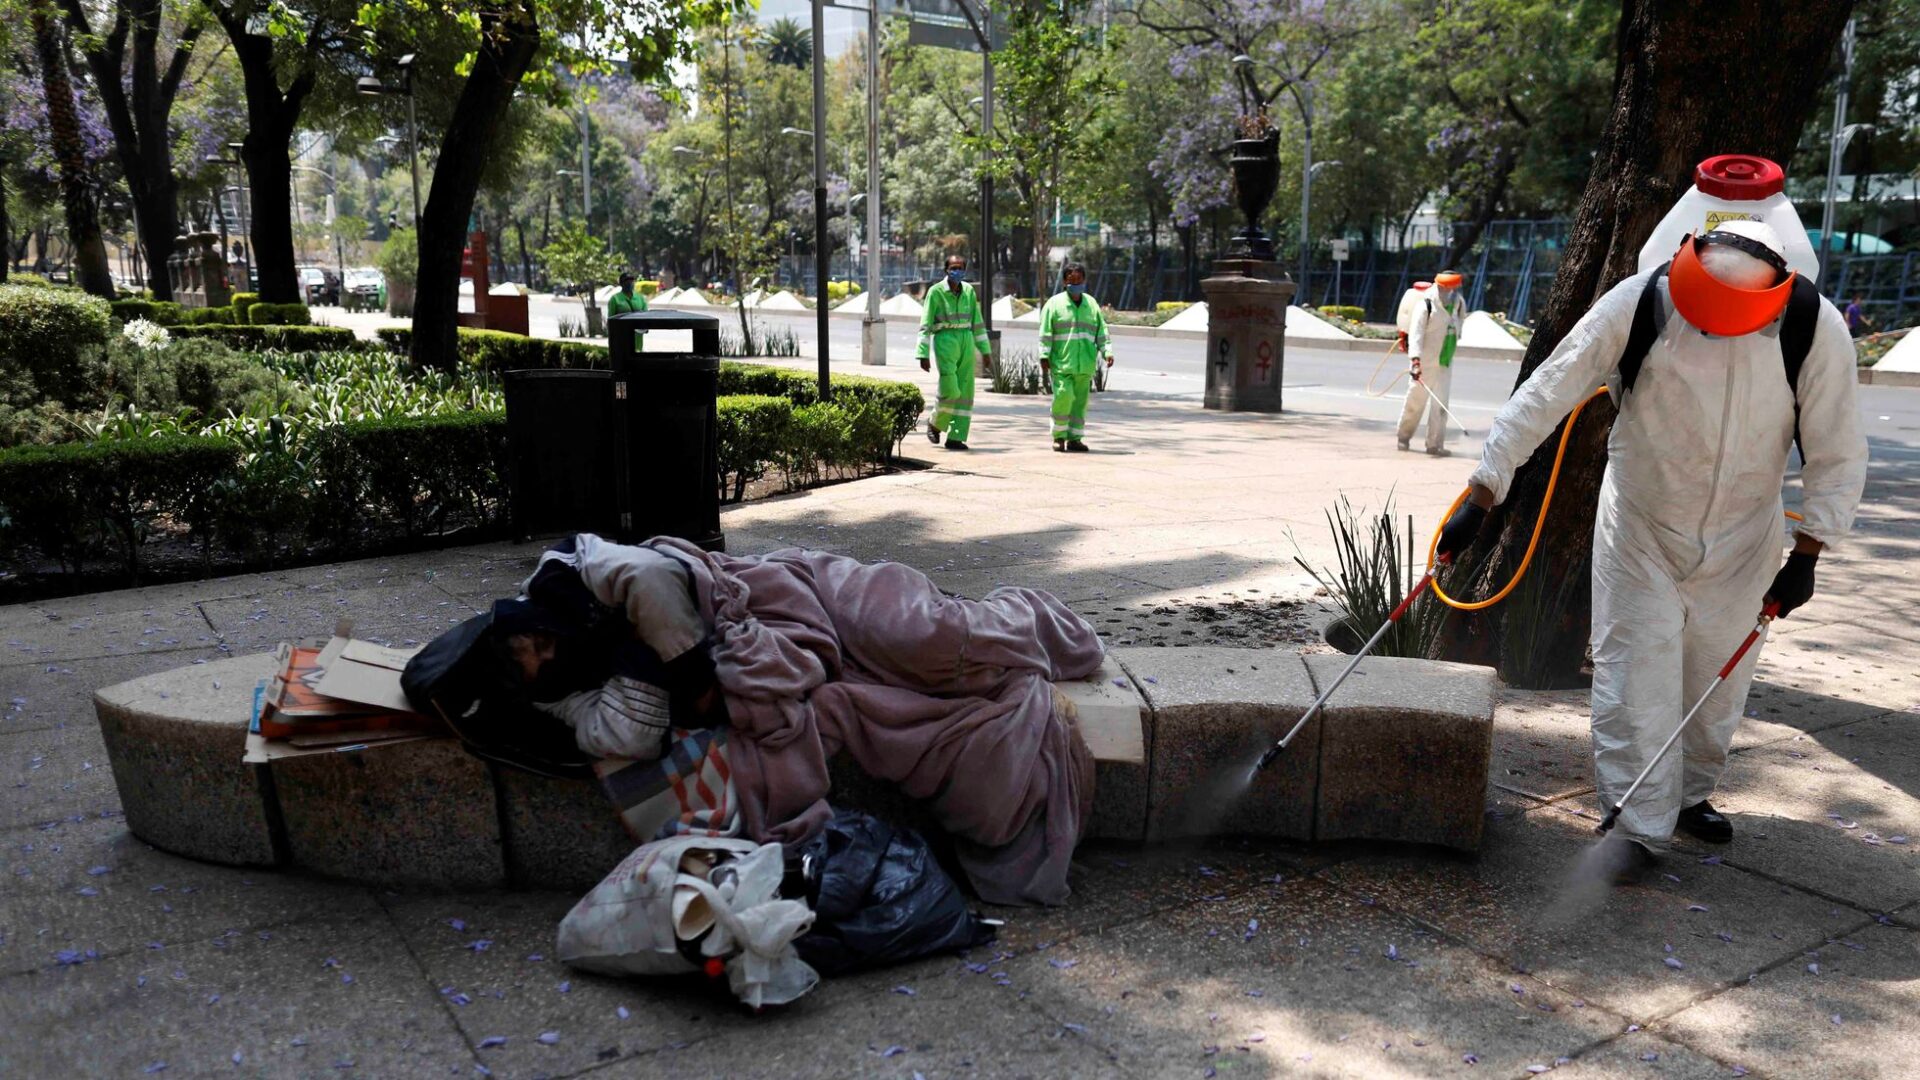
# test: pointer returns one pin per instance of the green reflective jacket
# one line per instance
(1073, 337)
(620, 303)
(951, 328)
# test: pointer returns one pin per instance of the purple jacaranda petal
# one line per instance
(457, 924)
(479, 945)
(492, 1041)
(622, 1012)
(1696, 907)
(1062, 964)
(893, 1051)
(1674, 963)
(547, 1038)
(1470, 1059)
(565, 987)
(904, 991)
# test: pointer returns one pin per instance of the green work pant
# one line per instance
(953, 415)
(1070, 405)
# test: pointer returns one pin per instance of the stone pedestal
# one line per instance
(1246, 334)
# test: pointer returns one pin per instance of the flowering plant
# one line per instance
(146, 334)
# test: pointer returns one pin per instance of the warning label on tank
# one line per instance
(1715, 217)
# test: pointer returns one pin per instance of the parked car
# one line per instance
(320, 286)
(365, 289)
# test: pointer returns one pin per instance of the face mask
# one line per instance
(1075, 291)
(954, 277)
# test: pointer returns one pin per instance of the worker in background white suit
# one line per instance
(1432, 335)
(1686, 545)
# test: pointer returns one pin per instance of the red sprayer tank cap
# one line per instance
(1739, 177)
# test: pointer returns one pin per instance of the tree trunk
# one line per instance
(79, 193)
(1674, 104)
(6, 232)
(272, 116)
(138, 103)
(508, 40)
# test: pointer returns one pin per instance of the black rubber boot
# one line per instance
(1702, 822)
(1075, 446)
(933, 434)
(956, 444)
(1059, 446)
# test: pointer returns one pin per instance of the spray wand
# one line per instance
(1613, 813)
(1313, 710)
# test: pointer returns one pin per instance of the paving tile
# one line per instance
(1298, 979)
(301, 1000)
(1776, 711)
(1543, 743)
(397, 609)
(54, 774)
(1516, 903)
(1116, 883)
(490, 958)
(1641, 1054)
(61, 692)
(1845, 1008)
(94, 885)
(1783, 799)
(51, 640)
(942, 1021)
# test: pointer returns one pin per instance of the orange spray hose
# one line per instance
(1539, 524)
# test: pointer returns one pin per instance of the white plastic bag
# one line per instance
(676, 890)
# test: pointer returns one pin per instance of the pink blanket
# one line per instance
(950, 699)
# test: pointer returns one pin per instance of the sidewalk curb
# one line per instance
(1870, 377)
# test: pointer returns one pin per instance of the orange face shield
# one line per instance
(1716, 307)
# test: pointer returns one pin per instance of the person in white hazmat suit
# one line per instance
(1686, 546)
(1433, 332)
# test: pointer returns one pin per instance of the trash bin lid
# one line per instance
(667, 320)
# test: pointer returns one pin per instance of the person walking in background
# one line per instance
(1431, 338)
(1857, 320)
(627, 299)
(952, 332)
(1073, 344)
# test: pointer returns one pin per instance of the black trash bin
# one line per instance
(629, 453)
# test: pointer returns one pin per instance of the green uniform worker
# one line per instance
(626, 299)
(951, 332)
(1073, 343)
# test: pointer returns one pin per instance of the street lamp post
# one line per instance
(822, 256)
(1837, 145)
(374, 87)
(569, 172)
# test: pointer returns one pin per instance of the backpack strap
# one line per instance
(1647, 319)
(1796, 340)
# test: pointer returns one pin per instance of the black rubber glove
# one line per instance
(1793, 585)
(1459, 532)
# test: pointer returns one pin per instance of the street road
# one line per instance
(1316, 380)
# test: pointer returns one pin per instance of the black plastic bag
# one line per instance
(882, 898)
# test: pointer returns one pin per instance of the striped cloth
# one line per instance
(688, 791)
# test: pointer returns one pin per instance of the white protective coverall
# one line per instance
(1440, 314)
(1689, 530)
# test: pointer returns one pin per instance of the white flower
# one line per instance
(146, 334)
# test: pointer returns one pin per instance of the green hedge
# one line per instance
(902, 402)
(754, 431)
(497, 350)
(75, 498)
(290, 338)
(426, 474)
(242, 303)
(1344, 311)
(275, 314)
(52, 345)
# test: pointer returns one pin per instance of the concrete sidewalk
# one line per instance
(1793, 952)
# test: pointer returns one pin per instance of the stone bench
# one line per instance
(1401, 753)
